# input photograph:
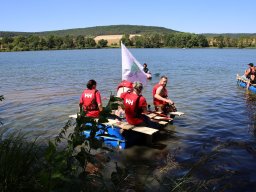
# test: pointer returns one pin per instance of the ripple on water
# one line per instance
(46, 87)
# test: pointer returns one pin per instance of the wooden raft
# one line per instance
(141, 129)
(127, 126)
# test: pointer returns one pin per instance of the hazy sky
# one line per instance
(195, 16)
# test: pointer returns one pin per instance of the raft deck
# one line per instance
(148, 131)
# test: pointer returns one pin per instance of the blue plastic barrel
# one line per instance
(113, 138)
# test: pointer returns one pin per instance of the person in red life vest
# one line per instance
(250, 75)
(123, 87)
(250, 71)
(160, 97)
(136, 107)
(90, 100)
(135, 104)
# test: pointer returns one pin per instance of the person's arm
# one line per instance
(247, 71)
(98, 100)
(80, 107)
(159, 97)
(143, 105)
(81, 104)
(100, 107)
(144, 110)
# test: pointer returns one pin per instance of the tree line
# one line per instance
(149, 40)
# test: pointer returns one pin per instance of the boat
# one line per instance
(242, 82)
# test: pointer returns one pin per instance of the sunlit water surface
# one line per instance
(42, 89)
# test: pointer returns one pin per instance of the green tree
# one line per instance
(102, 43)
(43, 44)
(156, 40)
(50, 42)
(126, 40)
(89, 42)
(182, 39)
(7, 40)
(58, 41)
(169, 40)
(219, 41)
(192, 42)
(20, 43)
(33, 42)
(68, 42)
(147, 41)
(202, 41)
(137, 41)
(80, 43)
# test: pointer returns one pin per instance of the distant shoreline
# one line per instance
(154, 40)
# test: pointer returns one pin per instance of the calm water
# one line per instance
(42, 88)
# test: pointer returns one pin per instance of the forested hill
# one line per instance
(232, 35)
(95, 31)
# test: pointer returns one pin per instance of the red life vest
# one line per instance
(89, 100)
(132, 111)
(252, 72)
(164, 94)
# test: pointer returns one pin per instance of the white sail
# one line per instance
(132, 70)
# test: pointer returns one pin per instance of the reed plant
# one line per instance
(19, 165)
(73, 162)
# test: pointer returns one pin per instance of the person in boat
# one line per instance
(250, 71)
(160, 97)
(124, 86)
(250, 75)
(145, 68)
(90, 100)
(252, 79)
(136, 107)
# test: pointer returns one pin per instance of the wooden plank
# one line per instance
(145, 130)
(151, 115)
(119, 124)
(73, 116)
(124, 125)
(176, 113)
(111, 122)
(162, 118)
(163, 122)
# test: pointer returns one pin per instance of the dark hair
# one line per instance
(251, 64)
(145, 64)
(91, 83)
(164, 77)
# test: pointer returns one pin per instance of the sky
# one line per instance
(193, 16)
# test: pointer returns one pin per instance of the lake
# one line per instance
(43, 88)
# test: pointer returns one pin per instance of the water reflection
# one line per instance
(250, 99)
(46, 86)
